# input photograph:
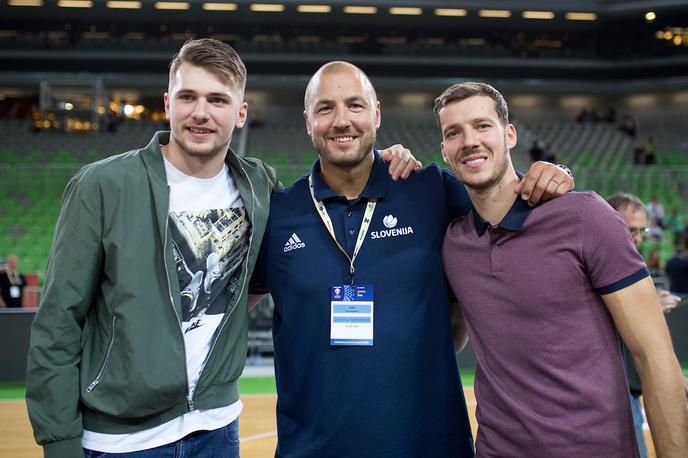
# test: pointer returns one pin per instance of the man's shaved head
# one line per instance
(335, 67)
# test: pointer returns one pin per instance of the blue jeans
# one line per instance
(219, 443)
(638, 423)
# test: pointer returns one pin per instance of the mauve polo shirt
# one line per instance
(550, 380)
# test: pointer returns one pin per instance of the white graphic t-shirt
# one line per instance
(210, 234)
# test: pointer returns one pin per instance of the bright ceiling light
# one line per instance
(578, 16)
(538, 15)
(454, 12)
(220, 6)
(123, 5)
(267, 8)
(494, 13)
(75, 3)
(314, 8)
(405, 11)
(650, 16)
(172, 5)
(360, 10)
(25, 2)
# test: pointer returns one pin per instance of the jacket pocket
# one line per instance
(104, 365)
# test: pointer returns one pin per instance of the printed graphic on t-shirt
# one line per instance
(209, 248)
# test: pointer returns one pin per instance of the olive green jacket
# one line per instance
(107, 350)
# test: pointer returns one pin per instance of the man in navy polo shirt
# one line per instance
(544, 292)
(364, 360)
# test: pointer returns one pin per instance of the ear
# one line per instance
(511, 136)
(166, 98)
(378, 115)
(243, 115)
(308, 123)
(444, 156)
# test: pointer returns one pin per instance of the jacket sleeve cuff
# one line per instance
(69, 448)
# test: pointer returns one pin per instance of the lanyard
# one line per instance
(367, 217)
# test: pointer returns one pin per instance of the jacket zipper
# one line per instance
(189, 400)
(96, 381)
(229, 313)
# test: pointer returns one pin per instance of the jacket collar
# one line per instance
(375, 188)
(152, 156)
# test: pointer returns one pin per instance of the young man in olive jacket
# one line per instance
(141, 332)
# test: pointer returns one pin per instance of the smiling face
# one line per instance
(342, 115)
(475, 143)
(203, 111)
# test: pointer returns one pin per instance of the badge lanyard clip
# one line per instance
(363, 230)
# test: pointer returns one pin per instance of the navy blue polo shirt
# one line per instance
(402, 397)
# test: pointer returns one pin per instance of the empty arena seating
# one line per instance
(35, 167)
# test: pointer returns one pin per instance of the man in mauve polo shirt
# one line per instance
(364, 361)
(544, 292)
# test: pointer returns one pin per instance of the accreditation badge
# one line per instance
(351, 315)
(15, 292)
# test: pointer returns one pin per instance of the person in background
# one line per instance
(12, 284)
(634, 214)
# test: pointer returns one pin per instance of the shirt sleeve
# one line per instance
(611, 258)
(458, 202)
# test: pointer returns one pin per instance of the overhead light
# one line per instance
(267, 8)
(404, 11)
(494, 13)
(678, 39)
(360, 10)
(650, 16)
(538, 15)
(578, 16)
(172, 5)
(456, 12)
(314, 8)
(75, 3)
(25, 2)
(124, 5)
(220, 6)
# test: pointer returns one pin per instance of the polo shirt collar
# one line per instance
(375, 188)
(513, 221)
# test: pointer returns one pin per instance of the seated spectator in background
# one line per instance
(12, 284)
(550, 154)
(628, 125)
(655, 211)
(536, 152)
(677, 268)
(654, 263)
(610, 116)
(651, 149)
(674, 223)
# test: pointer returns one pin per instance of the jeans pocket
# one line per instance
(232, 432)
(93, 454)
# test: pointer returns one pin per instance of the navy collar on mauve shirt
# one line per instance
(375, 188)
(514, 219)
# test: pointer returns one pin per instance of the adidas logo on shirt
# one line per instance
(293, 243)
